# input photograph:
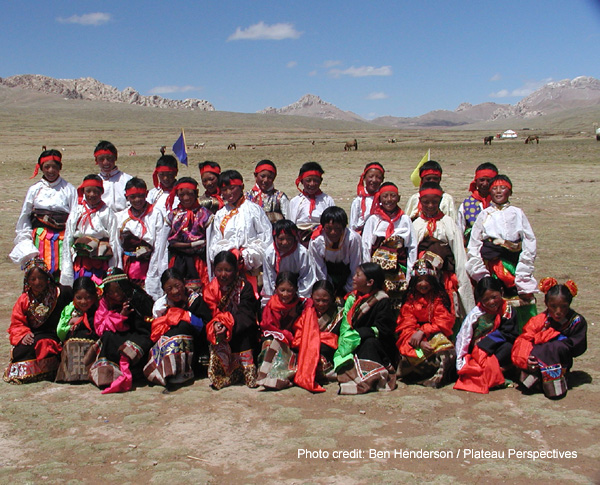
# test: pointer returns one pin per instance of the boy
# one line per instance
(431, 171)
(113, 179)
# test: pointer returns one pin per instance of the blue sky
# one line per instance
(374, 58)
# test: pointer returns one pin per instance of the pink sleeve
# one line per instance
(106, 319)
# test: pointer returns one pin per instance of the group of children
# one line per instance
(251, 287)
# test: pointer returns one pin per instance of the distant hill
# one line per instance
(92, 90)
(315, 107)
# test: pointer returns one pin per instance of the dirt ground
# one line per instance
(51, 433)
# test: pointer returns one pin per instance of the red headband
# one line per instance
(208, 168)
(135, 191)
(486, 172)
(503, 182)
(430, 171)
(97, 153)
(388, 188)
(48, 158)
(88, 183)
(431, 191)
(234, 182)
(185, 185)
(265, 166)
(308, 173)
(373, 166)
(161, 169)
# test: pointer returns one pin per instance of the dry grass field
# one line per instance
(55, 433)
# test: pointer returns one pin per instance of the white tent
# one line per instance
(509, 134)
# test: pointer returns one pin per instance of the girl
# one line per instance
(368, 185)
(143, 238)
(485, 339)
(91, 236)
(122, 323)
(188, 224)
(32, 331)
(163, 178)
(430, 171)
(285, 254)
(545, 350)
(105, 155)
(389, 240)
(306, 208)
(291, 339)
(177, 327)
(41, 225)
(424, 327)
(209, 176)
(274, 202)
(503, 245)
(329, 318)
(366, 356)
(232, 332)
(76, 331)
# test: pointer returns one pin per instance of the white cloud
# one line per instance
(291, 64)
(331, 63)
(95, 19)
(312, 73)
(377, 95)
(262, 31)
(173, 89)
(525, 90)
(495, 77)
(362, 71)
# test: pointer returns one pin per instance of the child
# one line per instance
(209, 176)
(178, 324)
(274, 202)
(329, 318)
(306, 208)
(485, 340)
(389, 240)
(242, 226)
(76, 331)
(437, 233)
(480, 199)
(290, 339)
(431, 171)
(368, 185)
(188, 225)
(366, 355)
(163, 178)
(335, 250)
(91, 241)
(41, 225)
(32, 331)
(503, 245)
(114, 180)
(232, 332)
(285, 254)
(143, 238)
(545, 350)
(122, 324)
(424, 327)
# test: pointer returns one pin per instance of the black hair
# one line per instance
(227, 257)
(559, 290)
(167, 161)
(50, 153)
(135, 182)
(126, 285)
(84, 283)
(106, 145)
(370, 164)
(436, 286)
(487, 166)
(208, 163)
(287, 277)
(171, 273)
(334, 214)
(93, 176)
(324, 285)
(286, 226)
(228, 175)
(373, 272)
(503, 178)
(487, 283)
(265, 162)
(309, 166)
(430, 165)
(430, 185)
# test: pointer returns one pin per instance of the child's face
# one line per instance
(114, 294)
(137, 201)
(360, 282)
(37, 281)
(333, 231)
(210, 182)
(430, 204)
(175, 290)
(285, 291)
(232, 193)
(93, 195)
(311, 184)
(482, 184)
(558, 308)
(322, 301)
(265, 180)
(284, 242)
(373, 180)
(423, 285)
(187, 198)
(432, 177)
(51, 170)
(106, 162)
(389, 201)
(491, 301)
(167, 179)
(225, 273)
(83, 300)
(500, 194)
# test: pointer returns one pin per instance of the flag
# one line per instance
(414, 177)
(179, 149)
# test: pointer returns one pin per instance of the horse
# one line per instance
(231, 146)
(488, 140)
(391, 140)
(532, 138)
(351, 144)
(199, 145)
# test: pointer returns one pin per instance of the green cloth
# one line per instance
(348, 340)
(64, 324)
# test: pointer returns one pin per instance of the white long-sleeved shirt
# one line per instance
(357, 218)
(300, 207)
(114, 189)
(447, 206)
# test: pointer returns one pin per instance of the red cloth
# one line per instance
(425, 314)
(480, 373)
(18, 320)
(376, 209)
(496, 267)
(161, 325)
(88, 212)
(535, 332)
(147, 210)
(212, 297)
(273, 314)
(431, 221)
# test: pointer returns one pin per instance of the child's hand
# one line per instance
(73, 322)
(220, 329)
(28, 339)
(532, 362)
(126, 310)
(426, 346)
(525, 298)
(416, 338)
